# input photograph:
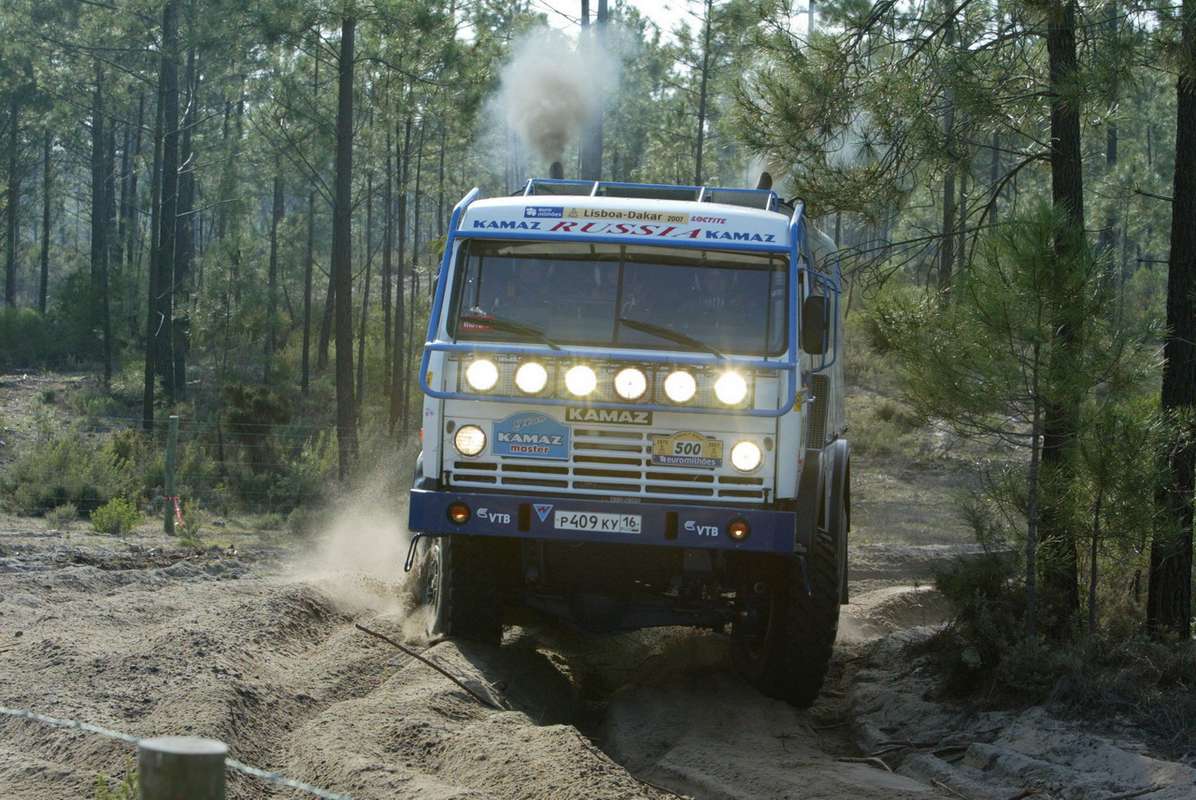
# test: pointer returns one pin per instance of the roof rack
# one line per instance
(765, 199)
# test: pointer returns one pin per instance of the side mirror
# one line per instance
(815, 324)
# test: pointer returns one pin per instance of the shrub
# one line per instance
(117, 516)
(127, 789)
(71, 467)
(195, 519)
(304, 521)
(61, 516)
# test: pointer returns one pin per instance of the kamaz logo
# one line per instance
(530, 438)
(613, 416)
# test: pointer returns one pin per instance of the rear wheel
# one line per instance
(788, 653)
(460, 589)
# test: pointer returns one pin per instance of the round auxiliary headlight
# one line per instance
(746, 456)
(730, 388)
(630, 383)
(531, 377)
(471, 440)
(580, 380)
(680, 386)
(481, 374)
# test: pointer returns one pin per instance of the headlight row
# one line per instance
(470, 440)
(630, 383)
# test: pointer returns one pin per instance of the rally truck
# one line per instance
(633, 417)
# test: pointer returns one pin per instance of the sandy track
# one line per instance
(155, 641)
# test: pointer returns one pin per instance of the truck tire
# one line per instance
(790, 660)
(460, 589)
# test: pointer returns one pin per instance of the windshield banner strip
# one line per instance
(699, 244)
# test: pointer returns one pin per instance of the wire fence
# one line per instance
(220, 465)
(273, 778)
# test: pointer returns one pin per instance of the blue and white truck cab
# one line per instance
(633, 417)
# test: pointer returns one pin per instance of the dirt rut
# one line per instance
(152, 641)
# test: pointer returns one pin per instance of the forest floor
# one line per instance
(251, 639)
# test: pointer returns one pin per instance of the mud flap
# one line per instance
(840, 475)
(810, 487)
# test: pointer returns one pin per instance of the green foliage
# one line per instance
(61, 516)
(118, 516)
(988, 613)
(127, 789)
(882, 427)
(195, 520)
(983, 653)
(29, 340)
(69, 467)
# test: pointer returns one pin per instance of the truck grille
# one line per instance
(604, 463)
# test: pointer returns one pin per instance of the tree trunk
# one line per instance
(365, 293)
(308, 267)
(99, 216)
(387, 247)
(702, 93)
(14, 196)
(151, 306)
(398, 391)
(1032, 505)
(272, 282)
(47, 184)
(342, 250)
(170, 192)
(440, 180)
(994, 176)
(416, 216)
(1169, 598)
(185, 235)
(591, 159)
(132, 245)
(327, 323)
(1060, 567)
(1093, 552)
(947, 246)
(117, 260)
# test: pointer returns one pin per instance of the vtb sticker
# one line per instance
(700, 529)
(530, 434)
(687, 449)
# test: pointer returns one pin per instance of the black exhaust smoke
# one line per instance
(556, 171)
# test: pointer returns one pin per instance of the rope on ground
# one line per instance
(232, 763)
(483, 700)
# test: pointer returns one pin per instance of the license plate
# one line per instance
(600, 523)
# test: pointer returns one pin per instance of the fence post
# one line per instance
(181, 768)
(172, 438)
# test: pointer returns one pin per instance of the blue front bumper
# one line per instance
(662, 524)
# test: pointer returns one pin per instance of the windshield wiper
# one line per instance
(507, 325)
(671, 335)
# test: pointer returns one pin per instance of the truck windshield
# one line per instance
(573, 293)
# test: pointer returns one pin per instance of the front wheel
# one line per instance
(788, 654)
(460, 589)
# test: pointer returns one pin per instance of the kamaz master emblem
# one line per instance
(530, 434)
(614, 416)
